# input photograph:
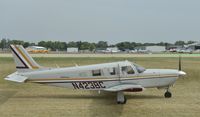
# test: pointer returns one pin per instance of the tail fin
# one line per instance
(24, 62)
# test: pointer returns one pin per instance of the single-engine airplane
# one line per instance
(116, 77)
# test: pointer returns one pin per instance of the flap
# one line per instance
(122, 87)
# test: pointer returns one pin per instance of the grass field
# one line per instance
(33, 100)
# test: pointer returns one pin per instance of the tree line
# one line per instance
(83, 45)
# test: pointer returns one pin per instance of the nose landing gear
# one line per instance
(168, 94)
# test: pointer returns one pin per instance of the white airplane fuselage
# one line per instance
(80, 77)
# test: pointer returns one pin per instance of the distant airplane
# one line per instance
(37, 49)
(116, 77)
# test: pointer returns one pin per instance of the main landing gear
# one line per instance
(121, 99)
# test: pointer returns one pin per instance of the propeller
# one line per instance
(179, 65)
(181, 73)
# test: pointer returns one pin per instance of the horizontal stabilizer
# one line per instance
(122, 87)
(16, 77)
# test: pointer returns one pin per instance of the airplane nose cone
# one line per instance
(181, 73)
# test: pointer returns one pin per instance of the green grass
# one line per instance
(22, 100)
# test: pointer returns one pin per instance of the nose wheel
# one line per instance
(168, 94)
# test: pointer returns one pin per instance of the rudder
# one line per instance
(24, 62)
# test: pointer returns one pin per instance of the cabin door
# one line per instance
(119, 73)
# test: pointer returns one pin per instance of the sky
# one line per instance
(100, 20)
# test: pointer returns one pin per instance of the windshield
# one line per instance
(127, 69)
(139, 68)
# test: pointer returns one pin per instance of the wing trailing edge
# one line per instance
(125, 87)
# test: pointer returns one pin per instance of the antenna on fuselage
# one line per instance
(57, 66)
(76, 64)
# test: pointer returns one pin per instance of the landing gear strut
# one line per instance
(168, 94)
(121, 99)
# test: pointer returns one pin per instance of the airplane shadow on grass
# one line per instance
(5, 95)
(102, 96)
(103, 104)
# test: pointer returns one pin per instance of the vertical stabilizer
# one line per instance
(24, 62)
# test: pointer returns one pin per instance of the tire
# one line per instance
(168, 94)
(124, 102)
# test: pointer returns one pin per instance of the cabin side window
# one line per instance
(96, 72)
(112, 71)
(127, 69)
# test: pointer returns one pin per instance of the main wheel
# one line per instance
(168, 94)
(122, 102)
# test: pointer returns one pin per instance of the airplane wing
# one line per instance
(123, 87)
(15, 77)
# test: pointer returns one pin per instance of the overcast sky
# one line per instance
(93, 20)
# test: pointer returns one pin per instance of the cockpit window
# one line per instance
(112, 71)
(128, 69)
(96, 72)
(140, 69)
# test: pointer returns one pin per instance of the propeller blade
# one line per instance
(179, 67)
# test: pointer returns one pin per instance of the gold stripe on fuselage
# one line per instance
(99, 79)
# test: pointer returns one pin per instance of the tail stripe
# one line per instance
(24, 56)
(25, 66)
